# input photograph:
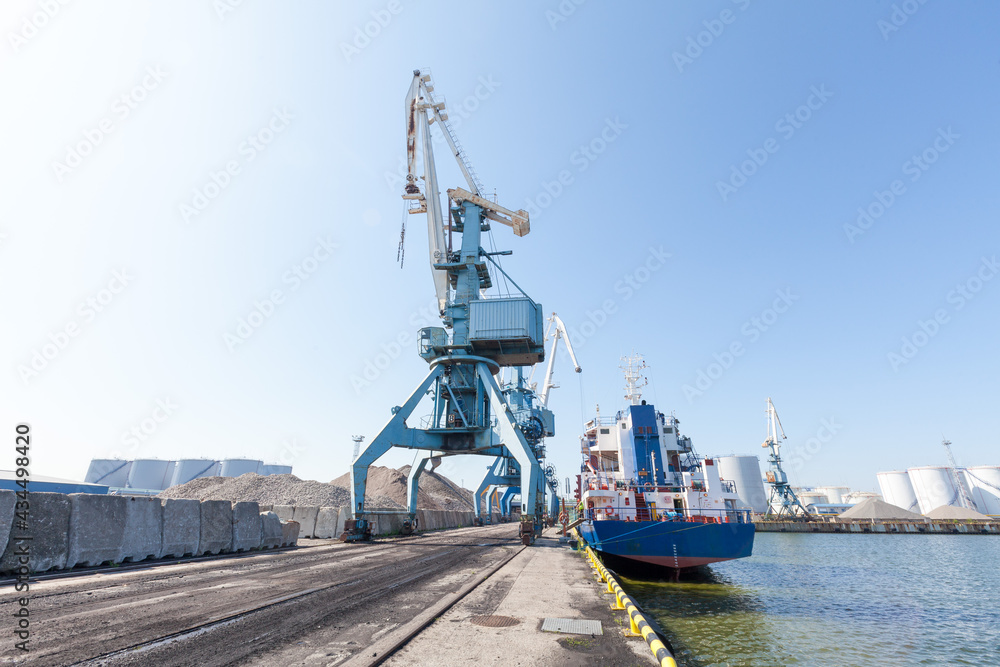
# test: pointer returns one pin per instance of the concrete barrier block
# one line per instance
(246, 526)
(7, 500)
(289, 533)
(342, 517)
(216, 527)
(270, 528)
(143, 536)
(284, 512)
(326, 522)
(306, 518)
(96, 528)
(181, 527)
(48, 528)
(265, 508)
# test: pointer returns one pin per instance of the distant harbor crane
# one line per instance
(783, 500)
(956, 478)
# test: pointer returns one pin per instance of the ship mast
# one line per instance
(633, 366)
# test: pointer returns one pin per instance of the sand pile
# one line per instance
(952, 512)
(876, 508)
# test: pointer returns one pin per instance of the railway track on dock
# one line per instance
(273, 608)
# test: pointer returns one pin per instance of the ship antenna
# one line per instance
(633, 366)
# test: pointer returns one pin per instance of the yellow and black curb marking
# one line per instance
(638, 626)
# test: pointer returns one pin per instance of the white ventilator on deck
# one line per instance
(557, 331)
(744, 471)
(984, 484)
(897, 489)
(934, 486)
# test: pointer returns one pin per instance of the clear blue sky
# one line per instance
(830, 103)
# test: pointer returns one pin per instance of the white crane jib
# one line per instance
(557, 330)
(422, 110)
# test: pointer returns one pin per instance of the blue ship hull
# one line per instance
(672, 544)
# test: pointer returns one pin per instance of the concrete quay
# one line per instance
(500, 621)
(884, 526)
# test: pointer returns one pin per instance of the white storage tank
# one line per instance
(834, 494)
(898, 490)
(237, 467)
(983, 483)
(855, 497)
(150, 474)
(812, 497)
(187, 469)
(112, 472)
(275, 469)
(933, 487)
(745, 472)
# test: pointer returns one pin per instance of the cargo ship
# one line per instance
(648, 499)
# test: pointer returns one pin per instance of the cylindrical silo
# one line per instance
(834, 494)
(812, 497)
(112, 472)
(984, 486)
(933, 487)
(744, 471)
(898, 490)
(275, 469)
(237, 467)
(150, 474)
(187, 469)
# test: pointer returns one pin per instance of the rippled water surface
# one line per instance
(836, 599)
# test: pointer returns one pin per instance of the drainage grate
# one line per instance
(494, 621)
(573, 626)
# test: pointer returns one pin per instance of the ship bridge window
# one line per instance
(605, 431)
(624, 426)
(668, 429)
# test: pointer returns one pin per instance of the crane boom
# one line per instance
(422, 110)
(560, 332)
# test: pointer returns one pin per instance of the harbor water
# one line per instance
(837, 599)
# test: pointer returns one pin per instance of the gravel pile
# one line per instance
(435, 492)
(272, 490)
(874, 508)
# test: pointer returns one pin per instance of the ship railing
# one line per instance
(633, 485)
(601, 482)
(630, 512)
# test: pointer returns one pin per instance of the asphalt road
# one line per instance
(318, 605)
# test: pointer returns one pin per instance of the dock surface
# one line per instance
(330, 603)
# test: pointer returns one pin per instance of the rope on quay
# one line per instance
(638, 626)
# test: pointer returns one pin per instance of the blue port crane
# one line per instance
(783, 500)
(482, 332)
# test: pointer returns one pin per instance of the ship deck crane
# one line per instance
(783, 500)
(471, 414)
